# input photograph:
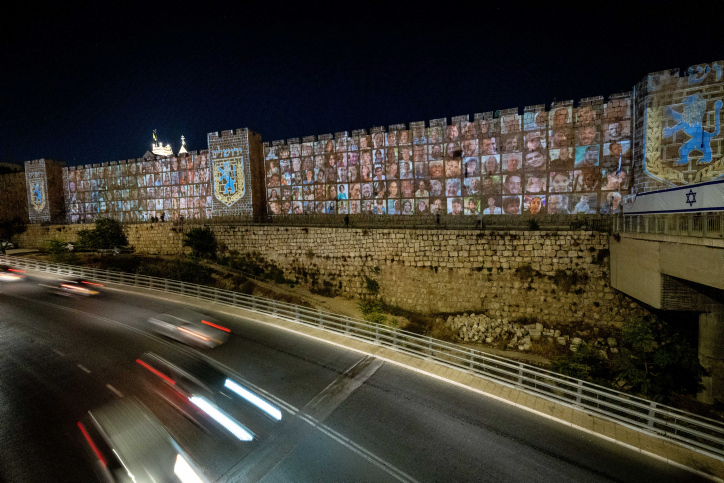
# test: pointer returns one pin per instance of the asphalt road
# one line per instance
(346, 417)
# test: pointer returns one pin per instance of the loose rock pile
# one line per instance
(481, 329)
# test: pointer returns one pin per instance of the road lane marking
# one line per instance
(84, 369)
(114, 390)
(58, 352)
(390, 469)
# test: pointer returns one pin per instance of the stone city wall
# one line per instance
(558, 277)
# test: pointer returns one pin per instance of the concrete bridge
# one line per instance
(676, 262)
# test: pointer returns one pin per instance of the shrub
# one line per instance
(525, 272)
(371, 285)
(107, 233)
(533, 225)
(190, 272)
(201, 241)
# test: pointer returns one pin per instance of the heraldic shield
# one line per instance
(229, 180)
(37, 200)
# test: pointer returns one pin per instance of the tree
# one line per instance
(201, 241)
(10, 228)
(107, 233)
(656, 361)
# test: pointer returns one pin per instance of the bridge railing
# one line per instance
(690, 429)
(702, 225)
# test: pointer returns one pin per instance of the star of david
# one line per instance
(691, 200)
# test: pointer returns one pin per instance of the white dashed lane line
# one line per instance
(84, 368)
(114, 390)
(58, 352)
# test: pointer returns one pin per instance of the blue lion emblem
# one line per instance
(228, 177)
(690, 121)
(37, 193)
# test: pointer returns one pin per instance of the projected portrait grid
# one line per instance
(553, 164)
(170, 188)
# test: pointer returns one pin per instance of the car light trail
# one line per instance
(254, 399)
(157, 372)
(91, 443)
(14, 270)
(215, 326)
(185, 473)
(192, 333)
(235, 428)
(91, 283)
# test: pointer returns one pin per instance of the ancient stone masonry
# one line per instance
(557, 277)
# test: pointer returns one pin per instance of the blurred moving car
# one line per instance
(8, 274)
(127, 443)
(75, 286)
(190, 327)
(7, 244)
(195, 388)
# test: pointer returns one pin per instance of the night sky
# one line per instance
(87, 82)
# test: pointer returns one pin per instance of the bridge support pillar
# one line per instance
(711, 353)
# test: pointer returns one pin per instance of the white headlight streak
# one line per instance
(254, 399)
(235, 428)
(185, 473)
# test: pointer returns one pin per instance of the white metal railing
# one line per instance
(701, 225)
(697, 431)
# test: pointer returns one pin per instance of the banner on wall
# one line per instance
(687, 199)
(37, 191)
(229, 155)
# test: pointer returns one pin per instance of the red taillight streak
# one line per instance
(216, 326)
(91, 443)
(157, 372)
(71, 286)
(192, 333)
(91, 283)
(13, 270)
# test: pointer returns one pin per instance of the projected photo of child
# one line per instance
(584, 203)
(511, 205)
(408, 207)
(536, 182)
(493, 205)
(587, 179)
(561, 181)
